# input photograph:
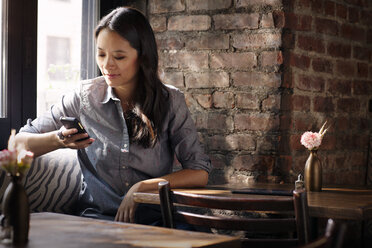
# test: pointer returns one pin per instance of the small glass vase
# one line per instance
(313, 172)
(16, 212)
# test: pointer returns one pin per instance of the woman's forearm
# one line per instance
(185, 178)
(39, 144)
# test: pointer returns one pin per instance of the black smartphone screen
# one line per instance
(72, 122)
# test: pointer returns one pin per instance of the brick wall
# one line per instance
(224, 55)
(258, 73)
(328, 76)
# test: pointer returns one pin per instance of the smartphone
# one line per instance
(72, 122)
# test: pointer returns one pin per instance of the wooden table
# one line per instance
(332, 202)
(337, 203)
(65, 231)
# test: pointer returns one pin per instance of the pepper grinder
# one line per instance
(299, 184)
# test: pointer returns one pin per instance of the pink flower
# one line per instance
(311, 140)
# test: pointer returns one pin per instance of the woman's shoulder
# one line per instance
(95, 88)
(173, 92)
(93, 83)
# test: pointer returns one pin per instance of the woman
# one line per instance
(135, 123)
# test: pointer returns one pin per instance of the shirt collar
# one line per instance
(109, 94)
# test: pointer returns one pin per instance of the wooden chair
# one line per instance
(332, 238)
(287, 214)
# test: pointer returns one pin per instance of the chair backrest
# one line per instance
(333, 237)
(284, 214)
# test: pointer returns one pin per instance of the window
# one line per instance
(58, 60)
(59, 50)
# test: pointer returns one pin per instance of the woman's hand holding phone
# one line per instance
(72, 134)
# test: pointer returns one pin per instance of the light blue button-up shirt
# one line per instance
(111, 165)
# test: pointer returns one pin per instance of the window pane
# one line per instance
(3, 59)
(59, 50)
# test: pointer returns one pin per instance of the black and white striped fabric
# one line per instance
(52, 183)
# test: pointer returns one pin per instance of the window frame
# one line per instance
(22, 61)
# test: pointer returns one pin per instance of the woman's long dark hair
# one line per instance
(146, 119)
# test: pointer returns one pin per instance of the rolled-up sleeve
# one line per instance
(49, 121)
(184, 137)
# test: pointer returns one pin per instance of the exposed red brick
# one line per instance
(309, 83)
(317, 6)
(204, 100)
(254, 41)
(169, 43)
(323, 104)
(158, 23)
(184, 60)
(286, 122)
(189, 23)
(339, 87)
(288, 79)
(341, 11)
(236, 21)
(234, 60)
(339, 50)
(322, 65)
(250, 3)
(253, 162)
(352, 32)
(352, 141)
(299, 61)
(349, 105)
(288, 40)
(362, 88)
(223, 100)
(271, 103)
(256, 122)
(247, 101)
(214, 122)
(303, 122)
(355, 2)
(218, 161)
(353, 14)
(208, 41)
(256, 79)
(362, 53)
(369, 36)
(232, 142)
(346, 68)
(267, 21)
(271, 58)
(295, 103)
(326, 26)
(294, 142)
(363, 70)
(298, 22)
(160, 6)
(310, 43)
(207, 4)
(267, 143)
(279, 19)
(329, 8)
(329, 142)
(173, 78)
(207, 80)
(366, 17)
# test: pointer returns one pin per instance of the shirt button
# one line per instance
(127, 184)
(124, 167)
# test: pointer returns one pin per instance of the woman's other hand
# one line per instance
(127, 208)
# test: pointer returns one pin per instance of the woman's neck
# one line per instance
(126, 96)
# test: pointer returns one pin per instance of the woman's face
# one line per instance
(117, 59)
